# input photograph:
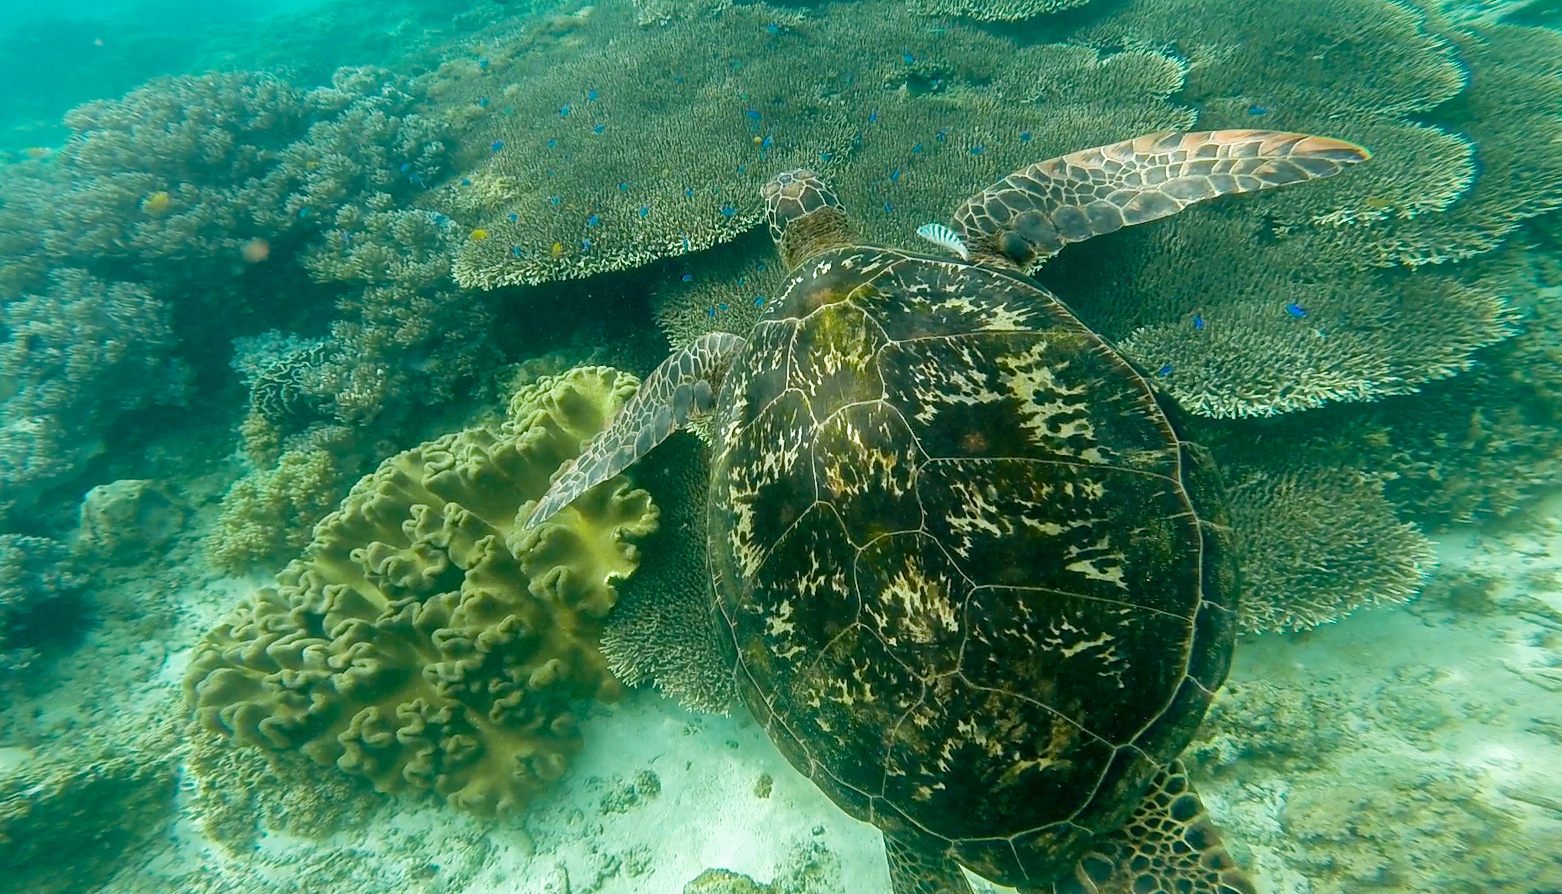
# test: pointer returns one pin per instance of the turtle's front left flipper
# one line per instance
(1031, 214)
(684, 386)
(1169, 844)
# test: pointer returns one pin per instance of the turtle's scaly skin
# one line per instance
(980, 591)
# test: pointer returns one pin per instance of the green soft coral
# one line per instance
(424, 640)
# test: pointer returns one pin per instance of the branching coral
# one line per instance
(425, 640)
(408, 336)
(664, 630)
(72, 359)
(1319, 544)
(269, 512)
(197, 167)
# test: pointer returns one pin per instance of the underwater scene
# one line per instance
(787, 447)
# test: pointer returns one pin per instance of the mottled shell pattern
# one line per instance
(979, 589)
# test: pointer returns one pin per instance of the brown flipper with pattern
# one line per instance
(1032, 214)
(912, 871)
(682, 387)
(1169, 846)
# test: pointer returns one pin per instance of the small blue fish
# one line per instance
(710, 312)
(303, 212)
(623, 187)
(888, 207)
(753, 114)
(772, 27)
(741, 280)
(554, 201)
(688, 277)
(496, 145)
(977, 149)
(466, 181)
(514, 217)
(1198, 322)
(758, 300)
(940, 135)
(873, 116)
(1165, 370)
(585, 245)
(894, 175)
(515, 250)
(824, 156)
(766, 143)
(728, 211)
(1295, 310)
(644, 210)
(688, 193)
(564, 111)
(1025, 137)
(760, 265)
(909, 59)
(593, 220)
(686, 243)
(943, 237)
(483, 102)
(591, 96)
(917, 149)
(406, 166)
(553, 144)
(482, 65)
(1257, 110)
(599, 128)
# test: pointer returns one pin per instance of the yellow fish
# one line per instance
(558, 249)
(156, 203)
(479, 235)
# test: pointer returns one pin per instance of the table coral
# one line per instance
(424, 640)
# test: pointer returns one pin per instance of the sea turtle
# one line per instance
(978, 588)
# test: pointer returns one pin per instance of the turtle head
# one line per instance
(805, 216)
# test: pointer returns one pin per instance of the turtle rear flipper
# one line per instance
(1169, 845)
(1031, 214)
(913, 872)
(685, 385)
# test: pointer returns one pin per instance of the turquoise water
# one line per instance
(305, 309)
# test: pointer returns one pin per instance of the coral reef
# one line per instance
(990, 11)
(68, 818)
(1313, 303)
(664, 630)
(407, 336)
(73, 358)
(39, 602)
(568, 165)
(124, 520)
(1318, 544)
(269, 512)
(425, 640)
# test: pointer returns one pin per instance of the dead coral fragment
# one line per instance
(424, 640)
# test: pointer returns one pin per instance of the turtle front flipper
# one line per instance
(1169, 844)
(1031, 214)
(913, 872)
(684, 386)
